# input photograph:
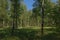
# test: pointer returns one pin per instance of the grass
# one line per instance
(11, 38)
(28, 34)
(35, 27)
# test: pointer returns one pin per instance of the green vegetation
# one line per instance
(28, 34)
(40, 23)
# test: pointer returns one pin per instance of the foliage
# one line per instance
(14, 14)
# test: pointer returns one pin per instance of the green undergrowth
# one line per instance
(28, 34)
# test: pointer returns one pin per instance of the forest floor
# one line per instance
(29, 34)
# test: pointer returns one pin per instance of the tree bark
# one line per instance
(42, 25)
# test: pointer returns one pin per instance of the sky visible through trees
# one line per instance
(29, 3)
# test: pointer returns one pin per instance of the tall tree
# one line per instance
(3, 12)
(56, 15)
(16, 6)
(42, 25)
(43, 8)
(23, 15)
(40, 12)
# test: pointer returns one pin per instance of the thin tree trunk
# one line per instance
(2, 23)
(42, 25)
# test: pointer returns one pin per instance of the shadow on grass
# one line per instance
(28, 34)
(51, 36)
